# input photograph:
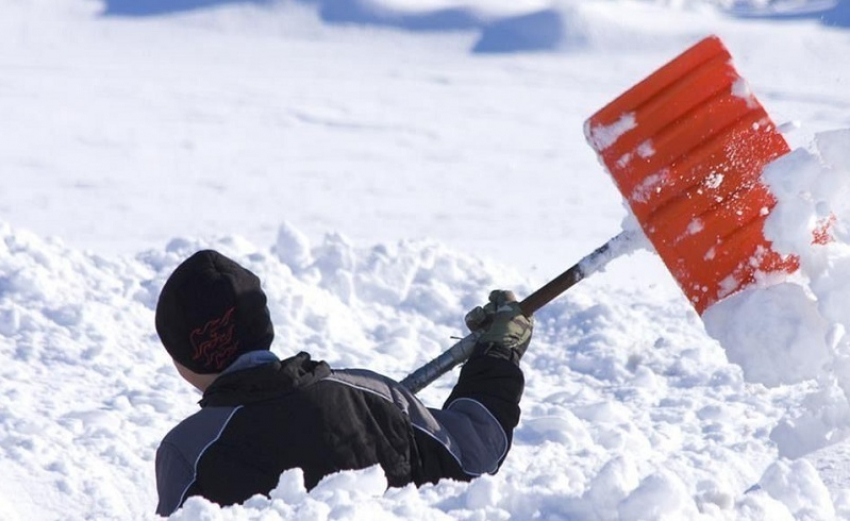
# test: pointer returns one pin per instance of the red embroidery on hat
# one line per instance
(214, 343)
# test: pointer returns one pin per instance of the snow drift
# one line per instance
(89, 392)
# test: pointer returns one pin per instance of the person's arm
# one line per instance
(495, 384)
(482, 410)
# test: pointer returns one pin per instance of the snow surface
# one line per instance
(383, 164)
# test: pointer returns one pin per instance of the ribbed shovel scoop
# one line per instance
(686, 147)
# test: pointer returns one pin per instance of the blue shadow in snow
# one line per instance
(331, 11)
(160, 7)
(837, 15)
(540, 31)
(353, 11)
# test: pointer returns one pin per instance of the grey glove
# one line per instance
(504, 331)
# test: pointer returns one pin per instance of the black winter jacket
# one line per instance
(267, 416)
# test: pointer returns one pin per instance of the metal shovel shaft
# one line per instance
(623, 243)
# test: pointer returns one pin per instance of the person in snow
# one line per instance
(261, 415)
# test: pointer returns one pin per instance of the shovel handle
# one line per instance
(623, 243)
(590, 264)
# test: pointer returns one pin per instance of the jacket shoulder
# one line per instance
(178, 455)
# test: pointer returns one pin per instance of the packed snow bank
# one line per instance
(629, 411)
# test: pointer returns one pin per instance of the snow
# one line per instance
(742, 90)
(382, 165)
(785, 332)
(603, 136)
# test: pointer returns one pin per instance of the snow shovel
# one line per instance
(686, 147)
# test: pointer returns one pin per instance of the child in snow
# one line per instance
(261, 415)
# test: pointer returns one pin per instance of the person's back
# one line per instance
(261, 416)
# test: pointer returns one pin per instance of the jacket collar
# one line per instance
(251, 359)
(262, 377)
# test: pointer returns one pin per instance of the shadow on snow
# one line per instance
(536, 31)
(832, 13)
(333, 11)
(161, 7)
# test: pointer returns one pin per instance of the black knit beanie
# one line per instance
(211, 311)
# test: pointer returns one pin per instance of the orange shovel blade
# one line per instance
(686, 147)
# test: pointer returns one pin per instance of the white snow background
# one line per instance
(383, 164)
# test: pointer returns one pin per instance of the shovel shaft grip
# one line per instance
(457, 354)
(587, 266)
(551, 290)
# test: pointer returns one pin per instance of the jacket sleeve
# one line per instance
(494, 383)
(471, 434)
(475, 426)
(173, 476)
(179, 453)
